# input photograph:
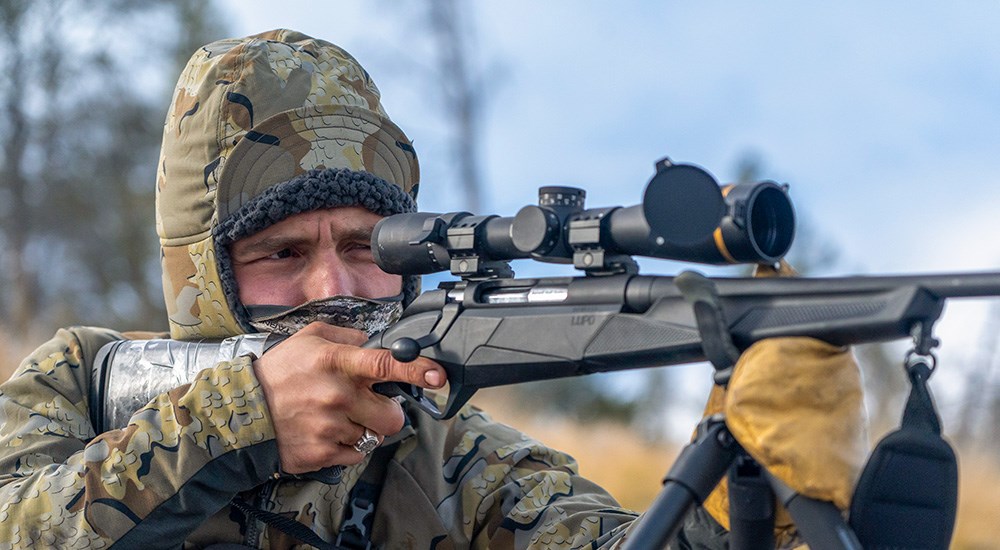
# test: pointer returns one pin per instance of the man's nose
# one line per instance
(328, 276)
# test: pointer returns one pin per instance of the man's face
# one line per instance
(311, 256)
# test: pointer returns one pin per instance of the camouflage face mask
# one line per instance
(367, 315)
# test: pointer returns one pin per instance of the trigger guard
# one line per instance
(392, 389)
(414, 394)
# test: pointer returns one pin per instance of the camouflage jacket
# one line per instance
(167, 478)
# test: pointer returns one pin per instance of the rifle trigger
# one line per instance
(716, 341)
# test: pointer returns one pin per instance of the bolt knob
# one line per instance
(405, 349)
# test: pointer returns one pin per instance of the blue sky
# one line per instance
(884, 119)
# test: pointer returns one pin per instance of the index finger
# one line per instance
(335, 334)
(377, 365)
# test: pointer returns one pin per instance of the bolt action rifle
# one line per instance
(490, 329)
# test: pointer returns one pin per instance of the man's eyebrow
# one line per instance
(279, 242)
(267, 244)
(359, 234)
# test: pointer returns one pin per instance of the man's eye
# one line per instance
(281, 254)
(358, 246)
(362, 250)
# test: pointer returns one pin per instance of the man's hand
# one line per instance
(318, 388)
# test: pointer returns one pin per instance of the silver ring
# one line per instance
(367, 443)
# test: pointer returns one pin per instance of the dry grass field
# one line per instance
(632, 470)
(978, 525)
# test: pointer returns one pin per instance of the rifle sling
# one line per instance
(907, 495)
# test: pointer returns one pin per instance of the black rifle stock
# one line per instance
(508, 331)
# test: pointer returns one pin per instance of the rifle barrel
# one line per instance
(941, 285)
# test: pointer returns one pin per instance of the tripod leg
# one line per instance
(694, 474)
(751, 505)
(818, 521)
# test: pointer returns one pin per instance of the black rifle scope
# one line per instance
(684, 215)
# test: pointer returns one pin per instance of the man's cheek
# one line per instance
(265, 288)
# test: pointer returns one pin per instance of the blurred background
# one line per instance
(884, 120)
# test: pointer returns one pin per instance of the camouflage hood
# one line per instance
(261, 128)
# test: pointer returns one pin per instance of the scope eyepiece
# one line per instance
(410, 244)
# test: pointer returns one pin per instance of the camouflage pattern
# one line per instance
(62, 485)
(198, 307)
(369, 316)
(166, 479)
(247, 114)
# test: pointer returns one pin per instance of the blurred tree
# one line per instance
(83, 104)
(444, 60)
(990, 432)
(886, 386)
(462, 92)
(978, 423)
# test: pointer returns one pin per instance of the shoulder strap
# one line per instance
(286, 525)
(356, 528)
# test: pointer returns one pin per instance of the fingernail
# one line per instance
(433, 378)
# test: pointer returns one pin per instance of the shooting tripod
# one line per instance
(883, 513)
(701, 465)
